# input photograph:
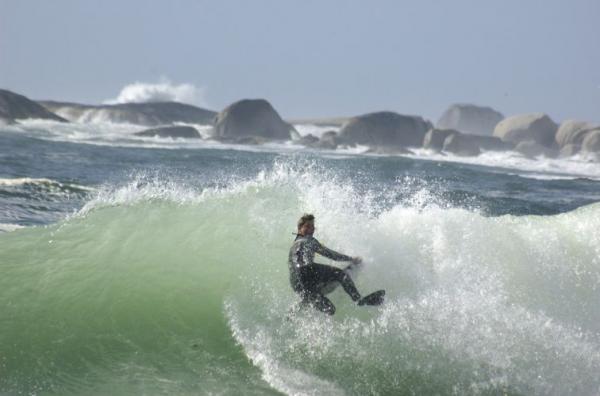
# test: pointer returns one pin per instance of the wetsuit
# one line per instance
(308, 278)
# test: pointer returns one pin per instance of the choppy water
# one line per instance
(152, 266)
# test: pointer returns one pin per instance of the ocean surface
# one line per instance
(147, 266)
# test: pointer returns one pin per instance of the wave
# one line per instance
(9, 227)
(42, 182)
(157, 287)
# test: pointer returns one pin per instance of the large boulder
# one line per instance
(14, 107)
(461, 144)
(384, 129)
(434, 138)
(251, 118)
(328, 141)
(535, 127)
(572, 132)
(532, 149)
(177, 131)
(591, 143)
(470, 119)
(148, 114)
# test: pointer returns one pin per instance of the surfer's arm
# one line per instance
(331, 254)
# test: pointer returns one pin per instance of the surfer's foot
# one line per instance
(375, 298)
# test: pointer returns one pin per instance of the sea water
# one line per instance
(158, 266)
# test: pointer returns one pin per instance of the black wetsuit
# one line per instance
(308, 278)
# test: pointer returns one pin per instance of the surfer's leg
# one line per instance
(320, 302)
(326, 273)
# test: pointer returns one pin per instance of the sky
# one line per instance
(310, 58)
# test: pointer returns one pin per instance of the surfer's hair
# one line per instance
(306, 218)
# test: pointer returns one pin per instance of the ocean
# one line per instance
(149, 266)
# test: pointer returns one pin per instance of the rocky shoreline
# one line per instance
(463, 129)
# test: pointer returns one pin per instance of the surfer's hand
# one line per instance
(356, 260)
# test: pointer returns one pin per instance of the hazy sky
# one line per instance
(312, 58)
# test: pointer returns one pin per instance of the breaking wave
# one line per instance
(159, 287)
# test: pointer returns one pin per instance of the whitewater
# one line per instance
(154, 266)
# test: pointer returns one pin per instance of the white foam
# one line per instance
(315, 130)
(19, 181)
(549, 168)
(4, 227)
(163, 91)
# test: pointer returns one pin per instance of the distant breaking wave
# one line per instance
(163, 91)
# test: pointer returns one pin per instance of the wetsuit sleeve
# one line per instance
(330, 254)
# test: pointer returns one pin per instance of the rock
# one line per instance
(569, 150)
(308, 140)
(470, 119)
(384, 129)
(491, 143)
(149, 114)
(461, 144)
(591, 143)
(572, 132)
(536, 127)
(15, 107)
(329, 140)
(251, 118)
(533, 149)
(434, 138)
(172, 132)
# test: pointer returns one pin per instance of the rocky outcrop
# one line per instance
(254, 118)
(591, 143)
(470, 119)
(308, 140)
(384, 129)
(177, 131)
(328, 141)
(572, 132)
(15, 107)
(461, 144)
(535, 127)
(148, 114)
(532, 149)
(434, 138)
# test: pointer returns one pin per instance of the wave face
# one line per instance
(159, 288)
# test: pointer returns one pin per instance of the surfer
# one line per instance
(312, 280)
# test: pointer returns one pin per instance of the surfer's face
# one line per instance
(307, 228)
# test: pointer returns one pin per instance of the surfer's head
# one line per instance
(306, 225)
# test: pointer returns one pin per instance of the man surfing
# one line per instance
(312, 280)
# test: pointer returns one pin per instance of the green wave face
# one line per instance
(128, 298)
(162, 294)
